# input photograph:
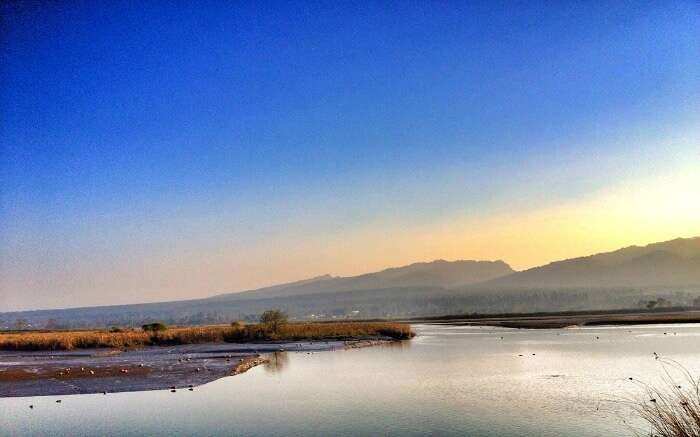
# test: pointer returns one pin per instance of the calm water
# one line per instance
(447, 381)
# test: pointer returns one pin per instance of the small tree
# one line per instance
(273, 319)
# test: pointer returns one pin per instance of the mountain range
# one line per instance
(671, 263)
(440, 273)
(624, 278)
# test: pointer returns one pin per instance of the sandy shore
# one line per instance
(149, 368)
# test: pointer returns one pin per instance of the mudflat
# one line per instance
(148, 368)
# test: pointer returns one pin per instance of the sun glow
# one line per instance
(635, 213)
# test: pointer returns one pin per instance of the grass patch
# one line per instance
(69, 340)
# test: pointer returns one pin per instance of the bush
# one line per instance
(154, 327)
(115, 329)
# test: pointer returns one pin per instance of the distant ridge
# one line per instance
(670, 263)
(623, 279)
(439, 274)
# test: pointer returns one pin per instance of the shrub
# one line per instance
(154, 327)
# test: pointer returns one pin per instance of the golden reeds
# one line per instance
(68, 340)
(671, 409)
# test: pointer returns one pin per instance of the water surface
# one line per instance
(449, 380)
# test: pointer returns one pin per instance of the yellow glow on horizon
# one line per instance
(639, 213)
(648, 211)
(653, 209)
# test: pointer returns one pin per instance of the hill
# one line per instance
(628, 278)
(674, 263)
(436, 274)
(385, 293)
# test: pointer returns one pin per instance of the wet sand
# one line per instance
(149, 368)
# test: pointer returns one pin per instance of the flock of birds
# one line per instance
(654, 354)
(173, 389)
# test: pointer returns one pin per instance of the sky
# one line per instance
(172, 150)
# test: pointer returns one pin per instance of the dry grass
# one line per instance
(321, 331)
(672, 409)
(68, 340)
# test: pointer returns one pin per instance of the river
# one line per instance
(448, 380)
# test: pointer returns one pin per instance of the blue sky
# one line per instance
(172, 150)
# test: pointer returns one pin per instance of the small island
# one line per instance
(156, 357)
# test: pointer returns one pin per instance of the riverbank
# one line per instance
(564, 319)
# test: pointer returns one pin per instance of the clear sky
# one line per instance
(167, 150)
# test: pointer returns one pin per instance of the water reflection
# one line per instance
(277, 362)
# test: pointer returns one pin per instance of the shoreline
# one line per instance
(565, 320)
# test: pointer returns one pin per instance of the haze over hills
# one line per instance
(672, 263)
(439, 273)
(626, 278)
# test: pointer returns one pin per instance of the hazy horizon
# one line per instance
(233, 147)
(333, 276)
